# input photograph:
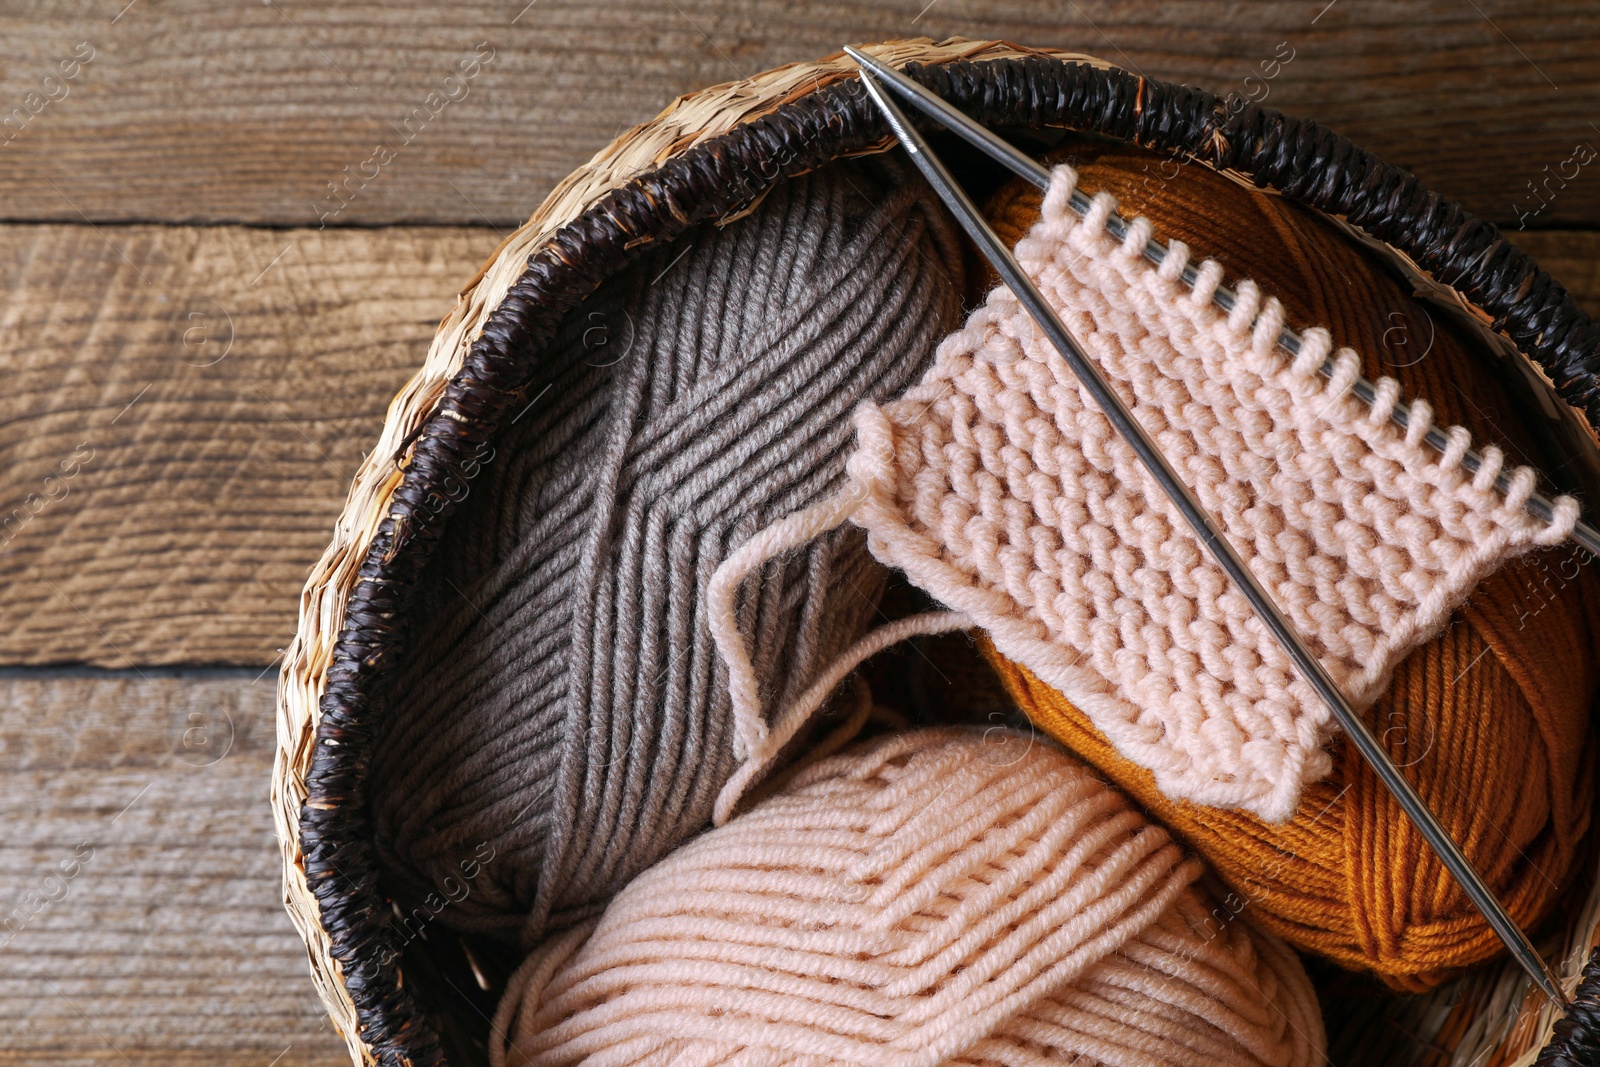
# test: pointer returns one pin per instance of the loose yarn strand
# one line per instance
(757, 742)
(791, 719)
(791, 531)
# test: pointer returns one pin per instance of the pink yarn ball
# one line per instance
(939, 896)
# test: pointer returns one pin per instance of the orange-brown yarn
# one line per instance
(1489, 718)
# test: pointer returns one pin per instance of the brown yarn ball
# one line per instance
(1489, 719)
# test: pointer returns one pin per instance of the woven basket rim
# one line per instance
(689, 121)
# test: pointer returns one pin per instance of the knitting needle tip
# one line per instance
(930, 103)
(1116, 412)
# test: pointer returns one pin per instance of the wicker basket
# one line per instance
(711, 155)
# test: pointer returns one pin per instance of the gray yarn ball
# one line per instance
(562, 720)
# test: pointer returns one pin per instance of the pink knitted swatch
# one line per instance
(941, 896)
(998, 486)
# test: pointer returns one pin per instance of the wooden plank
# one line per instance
(183, 410)
(220, 111)
(140, 908)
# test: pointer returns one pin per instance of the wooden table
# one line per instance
(199, 340)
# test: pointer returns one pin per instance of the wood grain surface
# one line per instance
(140, 912)
(183, 410)
(224, 111)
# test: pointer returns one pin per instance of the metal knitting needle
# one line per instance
(1024, 166)
(1111, 405)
